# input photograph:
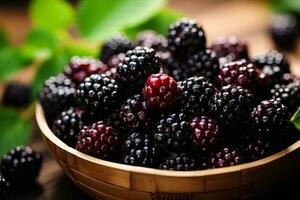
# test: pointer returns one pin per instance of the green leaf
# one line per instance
(3, 39)
(10, 62)
(51, 14)
(296, 119)
(285, 5)
(80, 49)
(14, 130)
(100, 19)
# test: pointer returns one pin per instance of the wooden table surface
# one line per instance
(246, 19)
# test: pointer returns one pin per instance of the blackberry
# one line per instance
(4, 189)
(99, 140)
(287, 78)
(21, 166)
(289, 95)
(185, 37)
(175, 68)
(137, 65)
(98, 93)
(195, 95)
(206, 135)
(203, 63)
(115, 45)
(179, 162)
(172, 132)
(139, 150)
(239, 73)
(231, 105)
(160, 91)
(17, 95)
(81, 67)
(58, 92)
(152, 40)
(226, 157)
(67, 125)
(135, 113)
(284, 31)
(270, 119)
(115, 60)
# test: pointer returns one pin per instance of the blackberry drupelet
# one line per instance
(179, 162)
(152, 40)
(195, 95)
(115, 60)
(137, 65)
(160, 91)
(139, 150)
(270, 119)
(231, 106)
(185, 37)
(4, 189)
(58, 92)
(99, 140)
(206, 135)
(172, 132)
(226, 157)
(21, 166)
(17, 95)
(115, 45)
(134, 113)
(67, 125)
(98, 94)
(287, 78)
(81, 67)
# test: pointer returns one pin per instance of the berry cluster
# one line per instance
(173, 103)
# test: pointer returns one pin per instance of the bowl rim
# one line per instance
(43, 125)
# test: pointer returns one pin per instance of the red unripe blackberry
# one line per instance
(160, 91)
(205, 134)
(99, 140)
(81, 67)
(186, 37)
(152, 40)
(226, 157)
(179, 162)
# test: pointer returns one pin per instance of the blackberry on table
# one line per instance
(4, 189)
(99, 140)
(195, 95)
(17, 94)
(226, 157)
(98, 93)
(160, 91)
(179, 162)
(115, 45)
(21, 166)
(137, 65)
(67, 125)
(186, 37)
(152, 40)
(139, 150)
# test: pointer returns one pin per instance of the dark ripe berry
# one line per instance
(17, 95)
(203, 63)
(226, 157)
(179, 162)
(239, 73)
(58, 93)
(99, 140)
(115, 60)
(270, 119)
(289, 95)
(21, 166)
(230, 48)
(287, 78)
(152, 40)
(137, 65)
(81, 67)
(139, 150)
(160, 91)
(172, 132)
(195, 95)
(175, 67)
(98, 93)
(4, 189)
(135, 113)
(115, 45)
(284, 31)
(231, 105)
(186, 37)
(205, 134)
(67, 125)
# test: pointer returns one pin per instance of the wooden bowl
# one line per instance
(107, 180)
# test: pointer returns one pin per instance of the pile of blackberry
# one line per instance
(174, 103)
